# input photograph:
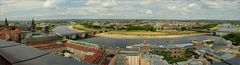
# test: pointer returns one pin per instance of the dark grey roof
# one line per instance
(234, 61)
(51, 59)
(220, 42)
(6, 43)
(64, 30)
(223, 55)
(20, 54)
(41, 38)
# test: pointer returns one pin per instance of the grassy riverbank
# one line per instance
(146, 33)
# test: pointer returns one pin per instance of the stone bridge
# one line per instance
(65, 31)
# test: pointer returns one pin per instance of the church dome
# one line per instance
(220, 43)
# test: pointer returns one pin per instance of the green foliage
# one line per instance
(89, 25)
(39, 28)
(149, 28)
(135, 28)
(188, 52)
(234, 37)
(145, 27)
(183, 28)
(64, 41)
(170, 59)
(209, 42)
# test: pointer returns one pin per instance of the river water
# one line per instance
(122, 43)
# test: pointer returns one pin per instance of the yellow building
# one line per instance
(133, 60)
(144, 61)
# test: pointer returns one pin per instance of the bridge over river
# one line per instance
(67, 32)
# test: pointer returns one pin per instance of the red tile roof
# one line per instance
(14, 32)
(93, 59)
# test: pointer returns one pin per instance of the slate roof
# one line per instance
(64, 30)
(234, 61)
(223, 55)
(41, 38)
(220, 42)
(20, 54)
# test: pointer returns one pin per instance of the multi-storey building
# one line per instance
(86, 52)
(10, 33)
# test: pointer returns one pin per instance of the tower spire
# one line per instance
(6, 23)
(33, 25)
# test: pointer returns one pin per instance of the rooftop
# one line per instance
(20, 54)
(85, 44)
(222, 55)
(234, 61)
(88, 58)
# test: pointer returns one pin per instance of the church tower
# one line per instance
(6, 25)
(33, 26)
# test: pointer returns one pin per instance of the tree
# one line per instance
(135, 28)
(234, 37)
(209, 42)
(189, 52)
(149, 28)
(183, 28)
(39, 28)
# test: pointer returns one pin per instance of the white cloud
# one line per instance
(192, 5)
(149, 2)
(90, 2)
(101, 3)
(113, 8)
(15, 5)
(149, 12)
(109, 3)
(184, 9)
(52, 3)
(221, 3)
(172, 7)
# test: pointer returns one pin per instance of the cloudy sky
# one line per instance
(120, 9)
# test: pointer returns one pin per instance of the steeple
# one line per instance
(33, 25)
(6, 23)
(33, 22)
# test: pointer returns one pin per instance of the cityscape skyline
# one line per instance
(120, 9)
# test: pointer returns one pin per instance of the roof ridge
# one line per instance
(10, 46)
(31, 58)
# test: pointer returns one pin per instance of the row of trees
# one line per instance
(145, 27)
(89, 25)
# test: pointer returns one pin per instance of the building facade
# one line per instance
(10, 33)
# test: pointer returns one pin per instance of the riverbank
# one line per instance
(120, 36)
(71, 27)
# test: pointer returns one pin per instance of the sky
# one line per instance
(120, 9)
